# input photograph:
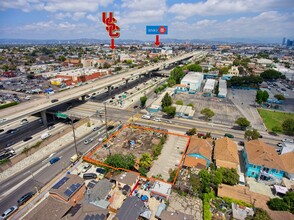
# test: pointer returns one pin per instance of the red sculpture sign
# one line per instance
(111, 27)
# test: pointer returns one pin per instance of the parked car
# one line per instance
(110, 127)
(86, 168)
(25, 198)
(229, 135)
(100, 170)
(157, 119)
(146, 117)
(27, 139)
(287, 140)
(241, 143)
(96, 129)
(89, 176)
(54, 160)
(279, 144)
(54, 100)
(9, 212)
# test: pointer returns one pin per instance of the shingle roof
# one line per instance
(130, 209)
(195, 162)
(288, 161)
(200, 146)
(100, 190)
(259, 153)
(226, 150)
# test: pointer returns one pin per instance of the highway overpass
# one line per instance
(41, 105)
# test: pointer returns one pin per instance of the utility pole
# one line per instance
(74, 135)
(105, 118)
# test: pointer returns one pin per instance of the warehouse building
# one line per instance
(193, 82)
(184, 111)
(209, 86)
(222, 88)
(156, 105)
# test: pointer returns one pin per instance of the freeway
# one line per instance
(39, 174)
(35, 106)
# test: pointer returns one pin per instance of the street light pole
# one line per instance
(105, 118)
(74, 135)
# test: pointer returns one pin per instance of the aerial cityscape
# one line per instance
(145, 110)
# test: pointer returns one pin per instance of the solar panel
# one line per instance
(60, 183)
(72, 189)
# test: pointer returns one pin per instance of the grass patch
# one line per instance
(4, 161)
(272, 118)
(8, 105)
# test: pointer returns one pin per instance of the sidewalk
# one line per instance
(46, 151)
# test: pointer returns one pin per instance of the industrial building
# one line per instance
(184, 111)
(222, 88)
(209, 86)
(192, 83)
(71, 77)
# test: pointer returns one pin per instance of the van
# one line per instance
(89, 176)
(74, 158)
(45, 135)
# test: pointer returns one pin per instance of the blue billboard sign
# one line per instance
(156, 29)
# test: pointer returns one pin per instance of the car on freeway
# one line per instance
(279, 144)
(24, 121)
(110, 127)
(54, 100)
(2, 120)
(229, 135)
(27, 139)
(146, 117)
(287, 140)
(26, 197)
(9, 212)
(12, 131)
(96, 129)
(86, 168)
(54, 160)
(157, 119)
(1, 130)
(88, 141)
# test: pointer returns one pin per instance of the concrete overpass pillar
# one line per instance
(109, 89)
(44, 117)
(150, 74)
(127, 83)
(139, 78)
(83, 98)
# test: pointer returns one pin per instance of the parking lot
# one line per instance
(170, 156)
(225, 111)
(244, 100)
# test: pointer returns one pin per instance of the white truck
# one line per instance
(74, 158)
(45, 135)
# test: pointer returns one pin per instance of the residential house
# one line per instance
(127, 178)
(98, 193)
(288, 161)
(262, 161)
(234, 71)
(70, 189)
(160, 190)
(226, 153)
(131, 209)
(199, 153)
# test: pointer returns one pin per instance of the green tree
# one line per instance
(106, 65)
(170, 111)
(145, 160)
(177, 75)
(259, 95)
(265, 96)
(242, 122)
(61, 58)
(143, 171)
(280, 97)
(121, 161)
(251, 134)
(271, 74)
(224, 70)
(129, 62)
(166, 101)
(205, 179)
(277, 204)
(194, 68)
(217, 177)
(172, 175)
(191, 131)
(208, 113)
(288, 126)
(229, 176)
(171, 82)
(143, 100)
(276, 129)
(179, 102)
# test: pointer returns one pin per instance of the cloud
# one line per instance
(54, 5)
(94, 18)
(225, 7)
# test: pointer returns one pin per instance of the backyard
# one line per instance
(272, 118)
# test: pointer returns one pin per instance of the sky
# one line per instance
(199, 19)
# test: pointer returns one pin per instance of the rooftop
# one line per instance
(161, 188)
(130, 209)
(226, 150)
(100, 190)
(128, 178)
(200, 146)
(259, 153)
